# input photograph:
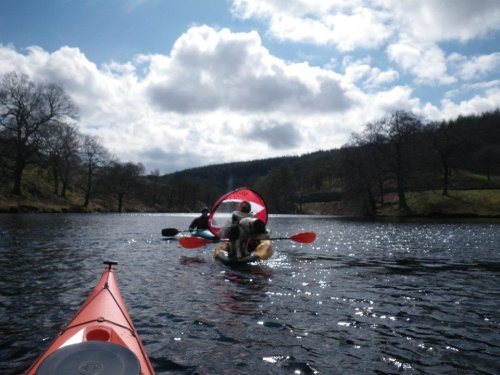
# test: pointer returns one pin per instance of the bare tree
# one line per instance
(449, 143)
(489, 158)
(26, 108)
(121, 180)
(93, 156)
(395, 139)
(363, 174)
(61, 153)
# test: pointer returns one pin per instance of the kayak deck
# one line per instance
(100, 339)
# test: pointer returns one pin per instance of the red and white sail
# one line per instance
(222, 210)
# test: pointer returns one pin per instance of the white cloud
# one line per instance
(426, 62)
(367, 23)
(479, 66)
(379, 78)
(348, 26)
(487, 101)
(434, 21)
(393, 99)
(360, 29)
(298, 8)
(370, 77)
(479, 97)
(10, 59)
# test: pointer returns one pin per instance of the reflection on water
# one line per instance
(366, 297)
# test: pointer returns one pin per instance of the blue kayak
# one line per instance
(205, 233)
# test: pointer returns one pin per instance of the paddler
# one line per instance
(201, 222)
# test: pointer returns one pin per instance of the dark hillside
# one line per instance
(230, 175)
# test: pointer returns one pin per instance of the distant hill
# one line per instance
(283, 181)
(227, 176)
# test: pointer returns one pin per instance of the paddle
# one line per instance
(171, 232)
(303, 237)
(195, 242)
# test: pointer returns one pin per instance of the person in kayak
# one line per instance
(244, 237)
(201, 222)
(242, 211)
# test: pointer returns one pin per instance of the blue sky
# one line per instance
(183, 83)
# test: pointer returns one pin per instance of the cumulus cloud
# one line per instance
(434, 21)
(369, 76)
(395, 98)
(209, 70)
(426, 62)
(478, 66)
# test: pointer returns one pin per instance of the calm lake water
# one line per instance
(365, 298)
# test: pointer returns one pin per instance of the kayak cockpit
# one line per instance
(91, 357)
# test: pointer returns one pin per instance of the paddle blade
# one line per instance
(304, 237)
(169, 232)
(193, 242)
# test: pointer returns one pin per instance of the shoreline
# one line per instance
(23, 209)
(458, 204)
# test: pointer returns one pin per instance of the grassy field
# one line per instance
(458, 203)
(431, 203)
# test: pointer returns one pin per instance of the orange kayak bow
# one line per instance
(100, 339)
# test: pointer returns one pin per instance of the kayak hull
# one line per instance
(263, 251)
(101, 324)
(206, 234)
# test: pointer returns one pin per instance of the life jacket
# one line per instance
(238, 216)
(199, 223)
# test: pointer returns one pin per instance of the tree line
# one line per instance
(39, 135)
(42, 149)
